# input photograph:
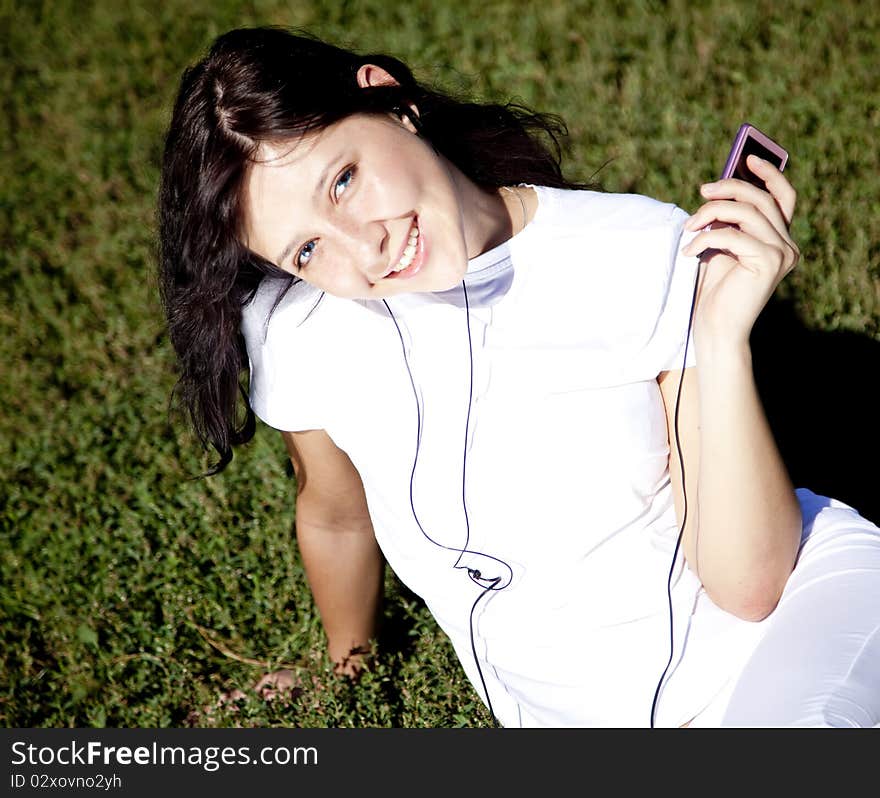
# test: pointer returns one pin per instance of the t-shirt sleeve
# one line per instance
(671, 344)
(605, 294)
(284, 353)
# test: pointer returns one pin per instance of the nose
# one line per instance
(365, 243)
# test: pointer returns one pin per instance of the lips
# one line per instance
(412, 254)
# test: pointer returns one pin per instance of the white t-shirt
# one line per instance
(515, 426)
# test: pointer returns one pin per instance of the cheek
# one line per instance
(342, 282)
(408, 171)
(393, 190)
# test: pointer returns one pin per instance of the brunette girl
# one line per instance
(533, 399)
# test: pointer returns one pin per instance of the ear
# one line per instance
(371, 75)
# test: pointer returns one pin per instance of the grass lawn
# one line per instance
(130, 594)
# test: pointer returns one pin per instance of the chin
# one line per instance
(449, 278)
(447, 285)
(430, 284)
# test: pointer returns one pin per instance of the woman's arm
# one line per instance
(744, 521)
(343, 563)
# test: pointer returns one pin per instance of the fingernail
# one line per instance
(708, 188)
(689, 223)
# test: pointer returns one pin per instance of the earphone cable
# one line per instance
(474, 574)
(684, 494)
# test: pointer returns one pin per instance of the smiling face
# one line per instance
(365, 208)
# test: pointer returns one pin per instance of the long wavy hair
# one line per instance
(267, 85)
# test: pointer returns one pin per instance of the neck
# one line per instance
(489, 216)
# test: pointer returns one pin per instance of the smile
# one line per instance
(411, 258)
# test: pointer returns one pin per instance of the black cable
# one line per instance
(476, 575)
(493, 582)
(467, 426)
(684, 493)
(487, 583)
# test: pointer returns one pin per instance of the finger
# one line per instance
(230, 697)
(754, 255)
(281, 679)
(777, 184)
(779, 192)
(748, 219)
(745, 192)
(743, 214)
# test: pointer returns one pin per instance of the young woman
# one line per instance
(533, 399)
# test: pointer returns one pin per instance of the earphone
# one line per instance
(487, 583)
(497, 583)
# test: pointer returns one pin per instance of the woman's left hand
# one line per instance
(749, 251)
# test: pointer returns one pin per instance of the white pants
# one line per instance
(818, 661)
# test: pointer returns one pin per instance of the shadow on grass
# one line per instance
(398, 637)
(819, 390)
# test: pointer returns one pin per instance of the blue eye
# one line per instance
(305, 254)
(344, 182)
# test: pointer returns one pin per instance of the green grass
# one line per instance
(132, 595)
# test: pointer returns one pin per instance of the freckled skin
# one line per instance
(350, 230)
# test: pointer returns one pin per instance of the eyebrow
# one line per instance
(321, 180)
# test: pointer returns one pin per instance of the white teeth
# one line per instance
(409, 251)
(405, 261)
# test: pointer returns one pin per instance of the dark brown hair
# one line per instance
(270, 84)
